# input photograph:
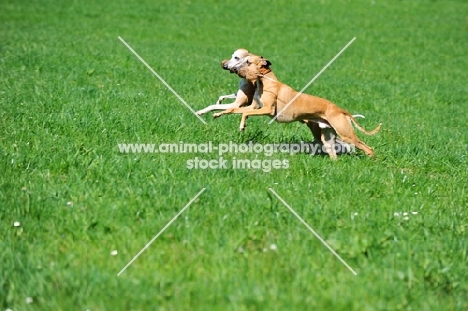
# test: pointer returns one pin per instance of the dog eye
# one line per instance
(236, 58)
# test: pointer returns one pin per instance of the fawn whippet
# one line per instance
(244, 96)
(274, 99)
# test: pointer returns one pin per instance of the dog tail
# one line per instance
(356, 124)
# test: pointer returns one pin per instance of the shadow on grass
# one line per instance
(313, 148)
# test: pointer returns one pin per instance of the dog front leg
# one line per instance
(221, 98)
(241, 99)
(233, 110)
(264, 111)
(219, 106)
(242, 123)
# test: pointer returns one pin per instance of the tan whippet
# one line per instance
(275, 100)
(244, 96)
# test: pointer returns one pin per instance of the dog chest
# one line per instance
(284, 118)
(258, 100)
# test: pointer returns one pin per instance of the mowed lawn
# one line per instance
(74, 210)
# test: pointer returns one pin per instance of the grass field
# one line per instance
(70, 91)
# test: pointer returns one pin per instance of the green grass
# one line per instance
(70, 91)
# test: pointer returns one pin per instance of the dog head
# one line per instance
(237, 59)
(253, 67)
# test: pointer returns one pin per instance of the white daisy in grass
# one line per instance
(16, 224)
(406, 215)
(29, 300)
(114, 252)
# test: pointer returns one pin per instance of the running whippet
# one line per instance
(275, 100)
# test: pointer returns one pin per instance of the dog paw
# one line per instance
(216, 115)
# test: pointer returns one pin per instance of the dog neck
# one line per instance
(264, 73)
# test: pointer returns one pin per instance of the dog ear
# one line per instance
(265, 62)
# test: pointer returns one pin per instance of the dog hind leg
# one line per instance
(344, 129)
(314, 129)
(328, 140)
